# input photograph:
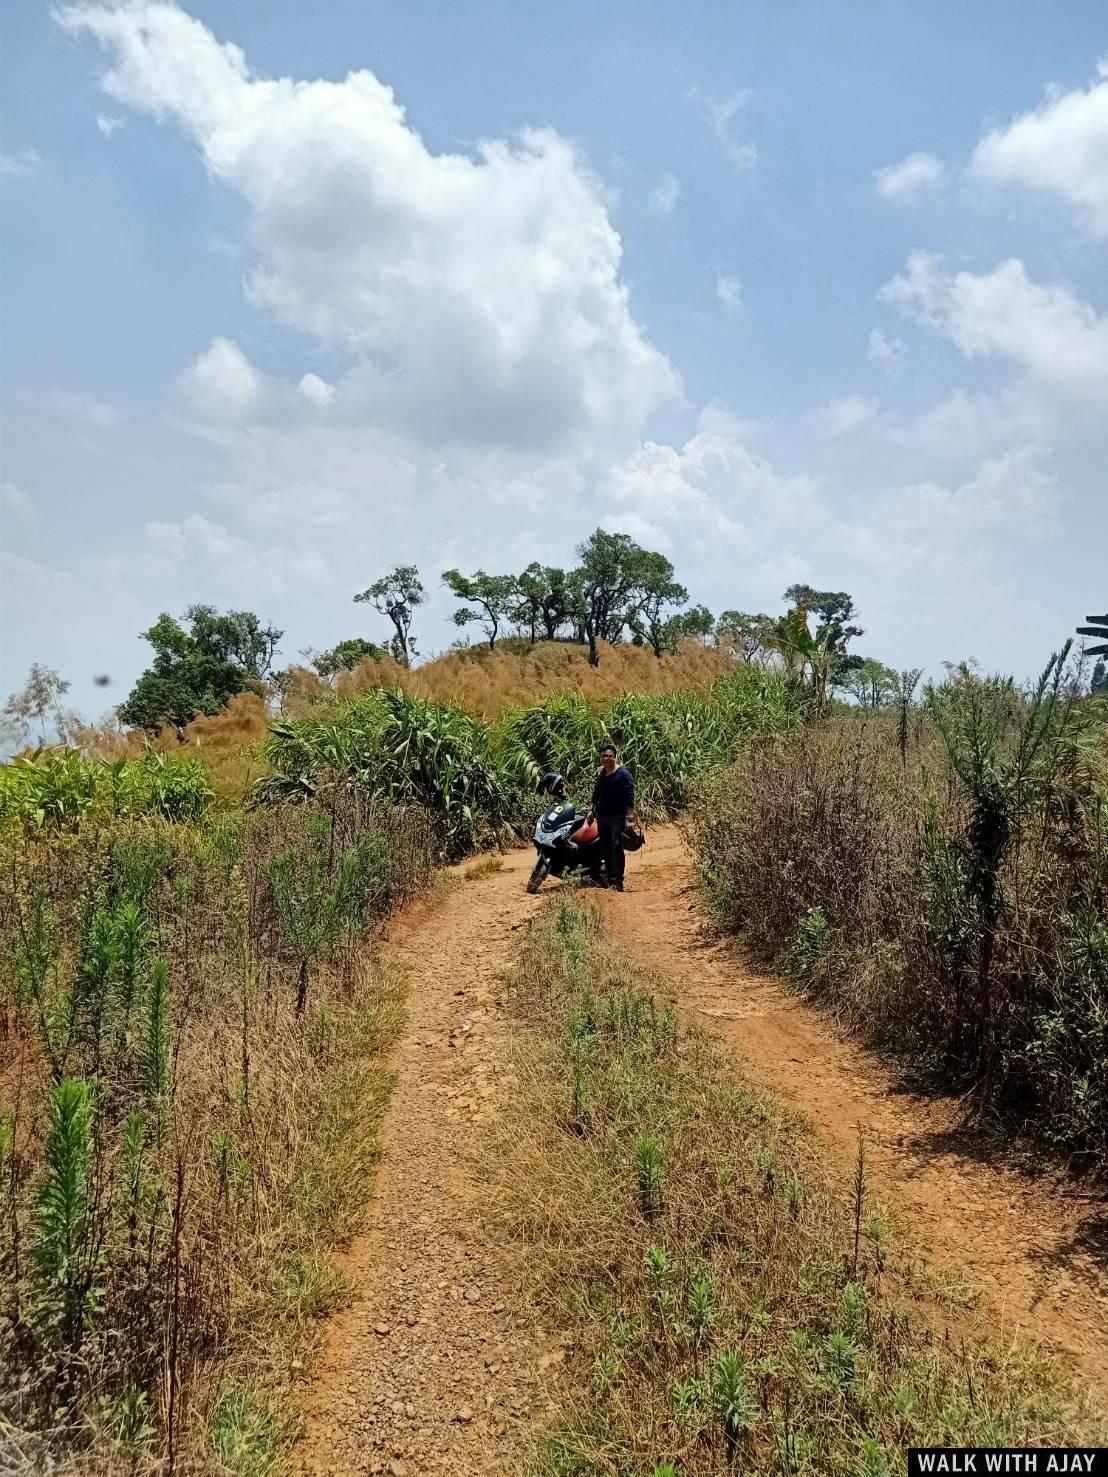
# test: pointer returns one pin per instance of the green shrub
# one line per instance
(951, 903)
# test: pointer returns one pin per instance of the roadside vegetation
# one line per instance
(192, 1071)
(727, 1304)
(939, 877)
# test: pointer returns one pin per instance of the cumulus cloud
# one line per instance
(918, 175)
(221, 383)
(1059, 340)
(1060, 146)
(251, 567)
(108, 125)
(967, 423)
(721, 116)
(729, 291)
(483, 290)
(920, 557)
(317, 390)
(886, 354)
(663, 198)
(841, 416)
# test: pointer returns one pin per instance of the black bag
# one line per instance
(632, 838)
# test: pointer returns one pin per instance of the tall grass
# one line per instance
(185, 1129)
(478, 780)
(487, 684)
(951, 901)
(726, 1304)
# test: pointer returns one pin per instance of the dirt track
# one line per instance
(433, 1367)
(1038, 1257)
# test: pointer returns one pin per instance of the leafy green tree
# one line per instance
(699, 622)
(542, 599)
(606, 587)
(397, 595)
(346, 655)
(871, 683)
(198, 669)
(489, 599)
(655, 592)
(1099, 682)
(747, 637)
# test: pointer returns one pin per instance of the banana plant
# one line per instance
(1098, 626)
(810, 656)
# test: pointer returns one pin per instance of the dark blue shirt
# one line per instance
(613, 794)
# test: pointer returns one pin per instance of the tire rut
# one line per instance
(433, 1367)
(1038, 1258)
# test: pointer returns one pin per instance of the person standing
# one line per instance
(613, 803)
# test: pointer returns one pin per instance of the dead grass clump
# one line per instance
(726, 1301)
(486, 684)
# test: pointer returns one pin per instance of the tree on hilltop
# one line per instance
(493, 596)
(397, 595)
(200, 663)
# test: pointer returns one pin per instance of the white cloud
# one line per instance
(841, 416)
(912, 178)
(108, 125)
(317, 390)
(19, 166)
(729, 291)
(926, 525)
(721, 116)
(973, 423)
(1062, 146)
(484, 290)
(221, 383)
(1058, 339)
(241, 561)
(92, 412)
(885, 353)
(16, 505)
(663, 198)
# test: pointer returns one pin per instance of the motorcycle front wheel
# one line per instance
(539, 874)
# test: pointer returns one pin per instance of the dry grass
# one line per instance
(726, 1301)
(487, 867)
(229, 743)
(487, 684)
(856, 872)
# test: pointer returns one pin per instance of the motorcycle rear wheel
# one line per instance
(539, 873)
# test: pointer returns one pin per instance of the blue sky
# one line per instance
(799, 292)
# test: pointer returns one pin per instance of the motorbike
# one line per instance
(566, 842)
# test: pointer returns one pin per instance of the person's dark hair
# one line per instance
(607, 749)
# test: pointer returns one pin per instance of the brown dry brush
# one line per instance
(953, 907)
(487, 684)
(179, 1147)
(726, 1302)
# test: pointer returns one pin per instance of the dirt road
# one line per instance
(433, 1367)
(1038, 1257)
